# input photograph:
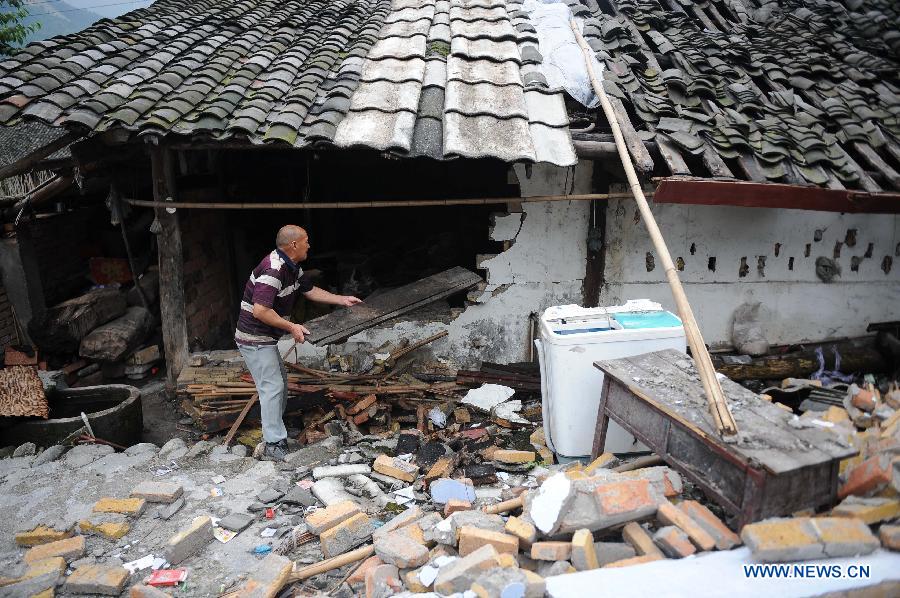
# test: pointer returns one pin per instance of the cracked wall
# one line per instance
(734, 255)
(544, 265)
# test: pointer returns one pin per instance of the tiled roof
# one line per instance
(794, 91)
(441, 78)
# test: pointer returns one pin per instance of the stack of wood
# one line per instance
(103, 328)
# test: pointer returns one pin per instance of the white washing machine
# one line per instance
(571, 339)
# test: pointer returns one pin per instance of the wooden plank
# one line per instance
(642, 160)
(875, 161)
(240, 419)
(343, 323)
(751, 194)
(865, 181)
(714, 163)
(751, 168)
(667, 379)
(672, 157)
(171, 268)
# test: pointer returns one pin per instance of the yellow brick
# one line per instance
(70, 548)
(670, 515)
(413, 532)
(132, 507)
(395, 468)
(640, 540)
(836, 415)
(890, 536)
(599, 463)
(524, 531)
(551, 551)
(873, 510)
(507, 560)
(584, 557)
(54, 564)
(577, 475)
(113, 531)
(42, 534)
(635, 560)
(472, 538)
(325, 519)
(510, 456)
(411, 579)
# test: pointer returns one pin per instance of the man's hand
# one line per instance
(298, 331)
(348, 300)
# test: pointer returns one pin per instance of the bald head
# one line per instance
(288, 233)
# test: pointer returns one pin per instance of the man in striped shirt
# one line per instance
(268, 300)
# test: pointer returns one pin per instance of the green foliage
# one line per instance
(12, 29)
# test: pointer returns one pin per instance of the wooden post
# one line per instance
(171, 267)
(718, 407)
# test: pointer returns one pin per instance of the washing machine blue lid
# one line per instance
(647, 319)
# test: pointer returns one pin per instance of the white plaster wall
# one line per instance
(544, 266)
(797, 306)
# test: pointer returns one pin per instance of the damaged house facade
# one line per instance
(767, 133)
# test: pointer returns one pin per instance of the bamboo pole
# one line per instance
(718, 407)
(332, 563)
(505, 506)
(349, 205)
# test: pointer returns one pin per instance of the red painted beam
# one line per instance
(774, 195)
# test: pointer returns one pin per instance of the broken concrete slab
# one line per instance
(266, 578)
(168, 511)
(382, 581)
(346, 535)
(158, 492)
(400, 550)
(190, 541)
(107, 580)
(459, 575)
(236, 522)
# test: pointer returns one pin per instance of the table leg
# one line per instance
(602, 421)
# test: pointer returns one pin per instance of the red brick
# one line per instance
(670, 515)
(724, 537)
(618, 498)
(674, 542)
(872, 475)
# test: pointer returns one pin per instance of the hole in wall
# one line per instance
(817, 236)
(711, 264)
(855, 261)
(777, 249)
(761, 265)
(744, 269)
(693, 248)
(651, 263)
(869, 250)
(850, 237)
(791, 263)
(837, 249)
(679, 263)
(808, 250)
(886, 264)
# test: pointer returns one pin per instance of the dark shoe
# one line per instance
(275, 451)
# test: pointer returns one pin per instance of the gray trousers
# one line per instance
(267, 369)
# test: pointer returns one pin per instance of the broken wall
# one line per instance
(733, 255)
(543, 266)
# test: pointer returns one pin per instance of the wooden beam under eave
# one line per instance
(171, 268)
(774, 195)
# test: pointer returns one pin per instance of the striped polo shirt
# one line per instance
(274, 283)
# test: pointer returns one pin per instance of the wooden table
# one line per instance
(772, 469)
